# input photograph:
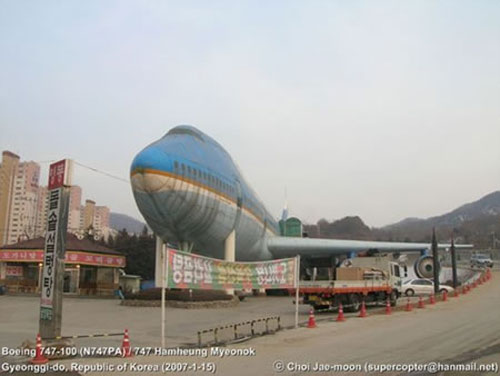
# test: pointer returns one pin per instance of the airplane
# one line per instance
(190, 191)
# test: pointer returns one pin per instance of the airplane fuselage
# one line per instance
(189, 190)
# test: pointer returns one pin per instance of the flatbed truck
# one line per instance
(379, 279)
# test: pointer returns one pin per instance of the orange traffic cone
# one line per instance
(432, 299)
(363, 313)
(388, 309)
(340, 316)
(421, 302)
(39, 357)
(445, 295)
(126, 349)
(464, 290)
(312, 322)
(456, 294)
(409, 307)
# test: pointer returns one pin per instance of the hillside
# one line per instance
(488, 205)
(120, 221)
(477, 222)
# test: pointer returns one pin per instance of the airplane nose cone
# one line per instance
(149, 158)
(147, 169)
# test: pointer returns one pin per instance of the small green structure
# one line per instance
(292, 227)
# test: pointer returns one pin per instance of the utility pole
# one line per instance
(435, 261)
(453, 262)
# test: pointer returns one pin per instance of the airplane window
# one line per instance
(176, 165)
(183, 168)
(189, 170)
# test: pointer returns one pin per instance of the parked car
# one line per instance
(422, 286)
(481, 261)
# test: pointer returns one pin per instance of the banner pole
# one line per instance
(163, 277)
(297, 278)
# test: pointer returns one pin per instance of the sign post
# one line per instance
(55, 248)
(163, 279)
(297, 279)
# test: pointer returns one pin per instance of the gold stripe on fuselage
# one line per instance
(200, 185)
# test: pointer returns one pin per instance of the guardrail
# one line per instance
(85, 336)
(236, 333)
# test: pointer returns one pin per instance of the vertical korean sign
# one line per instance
(55, 247)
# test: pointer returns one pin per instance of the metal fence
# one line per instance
(241, 330)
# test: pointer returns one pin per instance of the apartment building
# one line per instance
(24, 204)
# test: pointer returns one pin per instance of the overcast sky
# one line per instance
(382, 109)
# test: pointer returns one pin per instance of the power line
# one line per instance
(103, 172)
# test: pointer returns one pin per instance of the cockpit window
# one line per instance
(184, 131)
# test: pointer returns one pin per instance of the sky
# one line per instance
(382, 109)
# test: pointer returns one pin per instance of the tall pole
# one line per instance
(453, 262)
(297, 279)
(163, 277)
(435, 261)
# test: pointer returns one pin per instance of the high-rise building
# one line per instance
(42, 212)
(88, 214)
(101, 219)
(8, 172)
(22, 224)
(74, 213)
(19, 192)
(24, 204)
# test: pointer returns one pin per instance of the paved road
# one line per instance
(19, 319)
(460, 330)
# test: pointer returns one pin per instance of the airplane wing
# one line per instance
(282, 247)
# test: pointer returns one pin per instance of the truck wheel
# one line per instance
(319, 307)
(394, 298)
(354, 303)
(410, 292)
